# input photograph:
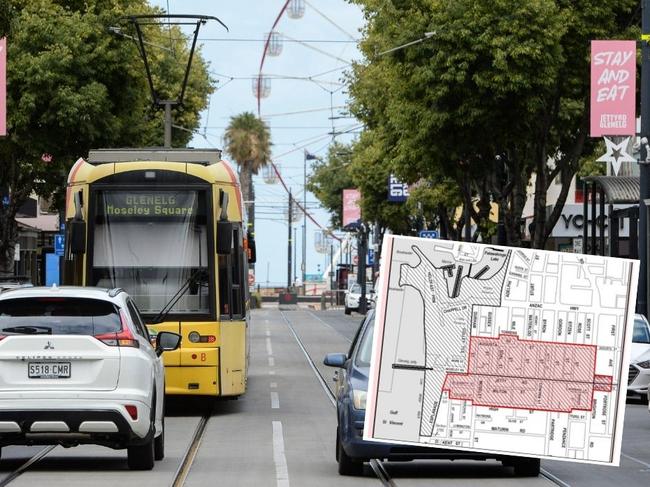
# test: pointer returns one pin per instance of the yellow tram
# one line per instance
(167, 226)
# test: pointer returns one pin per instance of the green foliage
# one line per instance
(589, 166)
(330, 177)
(248, 141)
(73, 86)
(5, 17)
(495, 77)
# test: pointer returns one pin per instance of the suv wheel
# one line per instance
(347, 464)
(159, 443)
(347, 310)
(141, 457)
(526, 467)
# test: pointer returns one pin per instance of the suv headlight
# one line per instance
(359, 399)
(645, 364)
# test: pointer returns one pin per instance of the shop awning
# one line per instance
(618, 189)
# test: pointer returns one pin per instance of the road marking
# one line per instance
(274, 385)
(271, 362)
(275, 400)
(647, 465)
(271, 372)
(269, 348)
(268, 333)
(553, 478)
(281, 469)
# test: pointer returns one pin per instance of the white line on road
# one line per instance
(281, 469)
(271, 362)
(274, 385)
(275, 400)
(269, 348)
(268, 333)
(647, 465)
(271, 372)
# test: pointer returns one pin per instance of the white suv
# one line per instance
(353, 296)
(77, 366)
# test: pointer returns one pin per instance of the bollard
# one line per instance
(323, 304)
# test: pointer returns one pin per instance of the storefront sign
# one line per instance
(613, 88)
(572, 221)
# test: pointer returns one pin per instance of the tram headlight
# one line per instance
(359, 399)
(194, 337)
(645, 364)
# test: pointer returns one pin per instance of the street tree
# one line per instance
(73, 86)
(248, 141)
(497, 92)
(330, 176)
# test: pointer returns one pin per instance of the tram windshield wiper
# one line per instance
(197, 276)
(28, 330)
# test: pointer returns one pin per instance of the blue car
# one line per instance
(351, 449)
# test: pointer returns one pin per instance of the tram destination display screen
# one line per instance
(116, 204)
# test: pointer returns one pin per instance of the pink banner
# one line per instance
(3, 86)
(351, 209)
(613, 88)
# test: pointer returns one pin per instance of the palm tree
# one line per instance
(248, 141)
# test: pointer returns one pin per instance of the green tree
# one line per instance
(73, 86)
(248, 141)
(330, 177)
(499, 91)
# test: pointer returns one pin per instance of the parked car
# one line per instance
(352, 386)
(78, 366)
(639, 374)
(353, 296)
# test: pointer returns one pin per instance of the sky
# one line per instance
(234, 59)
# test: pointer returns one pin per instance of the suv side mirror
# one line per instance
(335, 359)
(166, 341)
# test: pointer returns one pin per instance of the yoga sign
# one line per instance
(613, 87)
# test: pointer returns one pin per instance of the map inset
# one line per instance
(499, 349)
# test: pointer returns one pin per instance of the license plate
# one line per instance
(49, 370)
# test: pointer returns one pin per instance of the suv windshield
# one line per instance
(58, 316)
(365, 346)
(641, 332)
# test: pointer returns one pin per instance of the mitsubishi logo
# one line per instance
(48, 346)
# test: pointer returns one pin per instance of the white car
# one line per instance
(353, 295)
(639, 375)
(77, 366)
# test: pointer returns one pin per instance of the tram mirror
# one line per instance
(252, 250)
(224, 237)
(223, 204)
(77, 236)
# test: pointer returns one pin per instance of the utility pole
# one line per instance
(306, 157)
(642, 294)
(289, 244)
(361, 278)
(295, 257)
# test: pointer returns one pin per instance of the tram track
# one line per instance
(377, 466)
(180, 475)
(190, 454)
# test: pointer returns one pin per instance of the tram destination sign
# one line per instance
(150, 204)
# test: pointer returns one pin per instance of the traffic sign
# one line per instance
(428, 234)
(251, 277)
(355, 259)
(371, 257)
(59, 244)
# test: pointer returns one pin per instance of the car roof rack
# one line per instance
(115, 291)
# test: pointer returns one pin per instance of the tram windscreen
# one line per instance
(153, 244)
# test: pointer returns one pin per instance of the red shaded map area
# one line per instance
(527, 374)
